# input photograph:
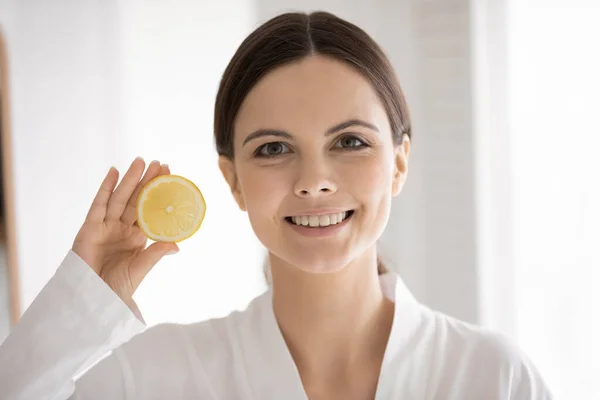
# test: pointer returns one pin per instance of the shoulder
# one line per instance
(168, 342)
(182, 360)
(474, 340)
(485, 362)
(207, 345)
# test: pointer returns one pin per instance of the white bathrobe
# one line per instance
(76, 319)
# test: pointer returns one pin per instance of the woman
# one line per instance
(314, 138)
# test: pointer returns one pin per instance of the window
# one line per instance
(554, 105)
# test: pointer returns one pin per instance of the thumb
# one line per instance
(148, 258)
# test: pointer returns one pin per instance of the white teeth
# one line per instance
(319, 220)
(324, 220)
(300, 220)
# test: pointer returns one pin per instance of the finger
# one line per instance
(148, 259)
(120, 197)
(130, 214)
(97, 210)
(165, 170)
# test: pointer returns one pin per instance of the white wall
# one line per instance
(444, 124)
(172, 57)
(95, 84)
(493, 170)
(64, 98)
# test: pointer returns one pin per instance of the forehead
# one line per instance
(312, 94)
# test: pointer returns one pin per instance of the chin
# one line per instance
(317, 262)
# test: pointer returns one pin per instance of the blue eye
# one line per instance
(350, 142)
(272, 149)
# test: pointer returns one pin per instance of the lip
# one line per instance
(318, 232)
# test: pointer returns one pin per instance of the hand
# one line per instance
(110, 241)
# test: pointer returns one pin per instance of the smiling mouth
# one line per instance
(319, 221)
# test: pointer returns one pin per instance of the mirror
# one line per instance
(9, 298)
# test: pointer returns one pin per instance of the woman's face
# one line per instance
(315, 166)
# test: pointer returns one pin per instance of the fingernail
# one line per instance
(171, 252)
(165, 165)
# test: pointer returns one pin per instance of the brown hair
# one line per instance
(291, 37)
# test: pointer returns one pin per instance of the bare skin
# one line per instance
(338, 334)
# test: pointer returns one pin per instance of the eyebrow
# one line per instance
(282, 134)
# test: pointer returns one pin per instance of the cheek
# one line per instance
(370, 178)
(263, 190)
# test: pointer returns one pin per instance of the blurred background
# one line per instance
(499, 223)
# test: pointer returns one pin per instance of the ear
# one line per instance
(227, 168)
(401, 155)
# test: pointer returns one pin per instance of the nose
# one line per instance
(314, 180)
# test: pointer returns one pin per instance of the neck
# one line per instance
(335, 321)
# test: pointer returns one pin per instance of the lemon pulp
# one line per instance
(170, 208)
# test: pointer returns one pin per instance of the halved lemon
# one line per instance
(170, 208)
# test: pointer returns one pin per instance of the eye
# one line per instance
(350, 142)
(272, 149)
